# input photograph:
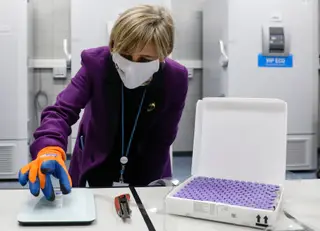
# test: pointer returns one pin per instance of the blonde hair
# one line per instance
(138, 26)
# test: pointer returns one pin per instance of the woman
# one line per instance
(133, 98)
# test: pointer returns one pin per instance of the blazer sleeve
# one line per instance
(165, 130)
(56, 120)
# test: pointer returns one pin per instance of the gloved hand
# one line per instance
(50, 161)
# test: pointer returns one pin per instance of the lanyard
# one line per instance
(124, 154)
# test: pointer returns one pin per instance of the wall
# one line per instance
(52, 25)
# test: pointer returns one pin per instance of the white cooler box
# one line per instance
(239, 163)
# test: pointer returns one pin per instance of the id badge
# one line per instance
(119, 184)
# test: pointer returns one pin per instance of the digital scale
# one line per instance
(76, 208)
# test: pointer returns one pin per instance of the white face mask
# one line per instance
(134, 74)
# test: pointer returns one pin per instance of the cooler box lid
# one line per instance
(241, 139)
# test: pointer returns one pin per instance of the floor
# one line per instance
(181, 170)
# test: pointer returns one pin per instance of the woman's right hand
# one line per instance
(49, 161)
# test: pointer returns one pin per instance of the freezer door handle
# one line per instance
(66, 52)
(224, 60)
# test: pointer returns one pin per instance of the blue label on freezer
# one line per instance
(275, 61)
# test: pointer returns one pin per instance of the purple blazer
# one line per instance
(93, 89)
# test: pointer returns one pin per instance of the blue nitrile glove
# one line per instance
(50, 161)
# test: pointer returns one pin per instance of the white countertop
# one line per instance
(106, 217)
(302, 200)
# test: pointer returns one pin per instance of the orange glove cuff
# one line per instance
(53, 150)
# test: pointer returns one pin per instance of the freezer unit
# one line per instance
(267, 49)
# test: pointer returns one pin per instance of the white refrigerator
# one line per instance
(16, 82)
(267, 49)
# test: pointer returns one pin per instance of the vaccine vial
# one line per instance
(58, 198)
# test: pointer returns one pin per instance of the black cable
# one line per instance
(37, 98)
(142, 209)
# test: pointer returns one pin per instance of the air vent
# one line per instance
(296, 152)
(6, 159)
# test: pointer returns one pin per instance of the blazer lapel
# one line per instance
(113, 102)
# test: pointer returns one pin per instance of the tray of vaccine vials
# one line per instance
(232, 201)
